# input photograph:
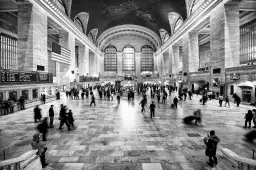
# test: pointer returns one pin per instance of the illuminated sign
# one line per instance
(234, 76)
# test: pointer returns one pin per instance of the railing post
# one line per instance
(4, 153)
(253, 151)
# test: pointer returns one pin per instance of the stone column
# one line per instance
(137, 64)
(174, 54)
(190, 50)
(81, 59)
(102, 65)
(225, 36)
(119, 63)
(86, 56)
(92, 64)
(160, 64)
(32, 37)
(166, 64)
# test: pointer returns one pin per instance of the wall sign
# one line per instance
(234, 76)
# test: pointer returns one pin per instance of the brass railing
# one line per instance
(237, 162)
(20, 162)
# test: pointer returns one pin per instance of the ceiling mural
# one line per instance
(152, 14)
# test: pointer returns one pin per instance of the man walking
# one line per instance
(63, 117)
(143, 103)
(152, 109)
(51, 115)
(175, 101)
(227, 102)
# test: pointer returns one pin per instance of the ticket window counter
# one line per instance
(247, 95)
(35, 93)
(13, 96)
(25, 94)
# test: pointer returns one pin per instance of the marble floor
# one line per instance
(112, 137)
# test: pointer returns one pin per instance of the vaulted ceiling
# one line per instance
(152, 14)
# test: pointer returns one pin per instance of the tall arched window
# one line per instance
(110, 58)
(128, 58)
(147, 60)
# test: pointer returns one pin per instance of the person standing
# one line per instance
(238, 101)
(11, 104)
(190, 95)
(37, 144)
(220, 100)
(43, 128)
(152, 109)
(51, 115)
(37, 113)
(22, 103)
(158, 97)
(248, 119)
(211, 142)
(70, 118)
(198, 116)
(175, 101)
(92, 99)
(118, 97)
(227, 102)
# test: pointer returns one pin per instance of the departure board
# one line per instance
(43, 77)
(20, 77)
(15, 76)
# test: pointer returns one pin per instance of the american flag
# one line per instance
(60, 54)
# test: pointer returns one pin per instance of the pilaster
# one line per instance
(32, 37)
(190, 50)
(119, 63)
(174, 54)
(138, 63)
(225, 37)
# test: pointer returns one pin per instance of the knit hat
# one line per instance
(36, 136)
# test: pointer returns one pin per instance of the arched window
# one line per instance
(110, 58)
(79, 24)
(178, 24)
(147, 60)
(128, 58)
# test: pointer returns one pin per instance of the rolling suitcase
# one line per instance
(250, 136)
(189, 119)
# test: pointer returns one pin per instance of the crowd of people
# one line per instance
(159, 93)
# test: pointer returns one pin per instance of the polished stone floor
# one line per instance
(112, 137)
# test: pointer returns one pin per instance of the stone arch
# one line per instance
(83, 17)
(175, 21)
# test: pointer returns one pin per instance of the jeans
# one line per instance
(249, 122)
(51, 121)
(152, 114)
